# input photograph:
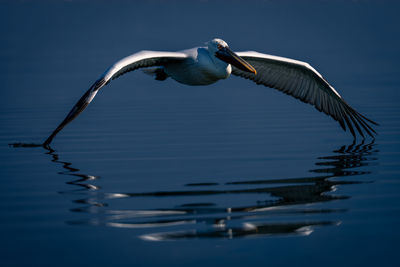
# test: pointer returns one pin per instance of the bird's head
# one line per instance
(220, 49)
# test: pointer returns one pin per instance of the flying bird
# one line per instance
(216, 61)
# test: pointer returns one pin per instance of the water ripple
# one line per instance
(285, 210)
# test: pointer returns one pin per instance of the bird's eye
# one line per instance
(220, 46)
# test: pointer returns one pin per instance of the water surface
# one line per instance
(158, 173)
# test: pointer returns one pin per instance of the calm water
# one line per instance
(158, 173)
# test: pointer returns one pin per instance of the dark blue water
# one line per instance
(159, 173)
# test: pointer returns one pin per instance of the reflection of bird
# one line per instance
(288, 199)
(206, 65)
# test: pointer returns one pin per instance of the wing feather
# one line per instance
(138, 60)
(300, 80)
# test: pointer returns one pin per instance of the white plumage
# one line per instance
(206, 65)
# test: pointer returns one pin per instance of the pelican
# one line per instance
(216, 61)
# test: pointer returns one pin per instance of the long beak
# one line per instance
(230, 57)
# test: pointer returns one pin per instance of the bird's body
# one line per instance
(198, 68)
(207, 65)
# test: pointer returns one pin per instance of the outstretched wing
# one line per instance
(300, 80)
(138, 60)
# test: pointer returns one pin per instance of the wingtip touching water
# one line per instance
(207, 65)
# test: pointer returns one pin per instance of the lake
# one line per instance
(232, 174)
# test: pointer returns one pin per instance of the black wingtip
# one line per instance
(48, 141)
(46, 144)
(360, 122)
(77, 109)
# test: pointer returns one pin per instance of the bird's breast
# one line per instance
(202, 71)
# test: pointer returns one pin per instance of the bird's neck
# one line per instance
(219, 67)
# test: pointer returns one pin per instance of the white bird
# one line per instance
(215, 61)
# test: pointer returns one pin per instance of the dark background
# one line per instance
(141, 135)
